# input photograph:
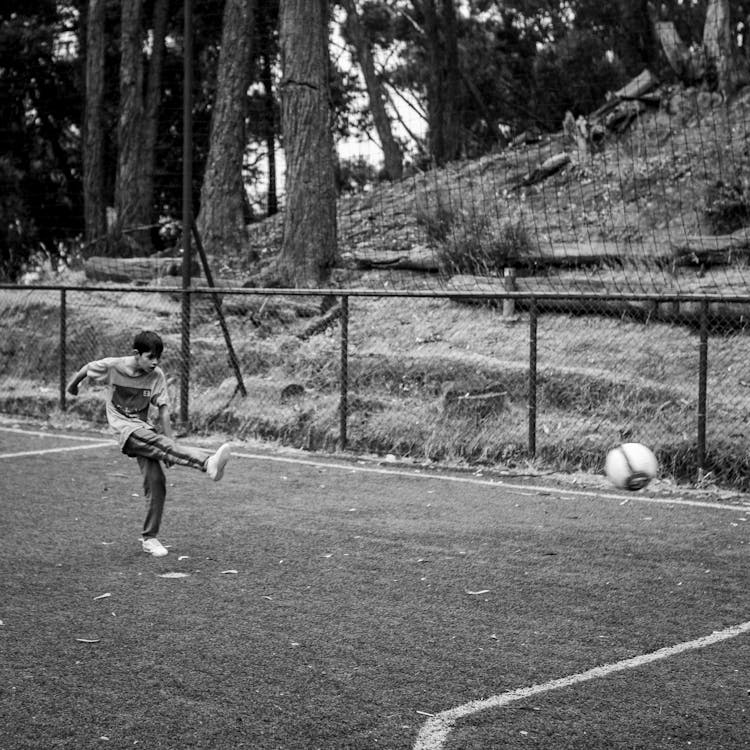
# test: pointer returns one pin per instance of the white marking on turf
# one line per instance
(57, 450)
(37, 433)
(496, 483)
(435, 731)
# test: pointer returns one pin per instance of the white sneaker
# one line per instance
(154, 547)
(216, 463)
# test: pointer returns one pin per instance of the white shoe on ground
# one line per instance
(216, 463)
(154, 547)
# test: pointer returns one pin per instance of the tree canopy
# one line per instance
(91, 137)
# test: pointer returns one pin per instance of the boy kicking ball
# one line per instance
(135, 383)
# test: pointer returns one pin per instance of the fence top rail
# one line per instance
(420, 293)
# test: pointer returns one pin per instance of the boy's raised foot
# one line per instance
(154, 547)
(216, 463)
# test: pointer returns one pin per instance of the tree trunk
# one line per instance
(639, 35)
(435, 102)
(308, 249)
(273, 201)
(443, 76)
(676, 51)
(392, 156)
(451, 81)
(130, 205)
(221, 221)
(95, 213)
(153, 100)
(718, 46)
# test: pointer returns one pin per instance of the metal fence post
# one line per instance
(343, 400)
(185, 359)
(532, 376)
(187, 207)
(702, 387)
(63, 347)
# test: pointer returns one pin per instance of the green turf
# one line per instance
(351, 614)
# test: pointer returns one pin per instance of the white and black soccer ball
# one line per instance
(631, 466)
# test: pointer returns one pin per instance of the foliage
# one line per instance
(355, 174)
(39, 145)
(467, 241)
(474, 246)
(573, 75)
(728, 206)
(538, 60)
(435, 215)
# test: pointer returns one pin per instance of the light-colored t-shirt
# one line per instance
(130, 393)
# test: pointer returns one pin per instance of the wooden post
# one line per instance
(509, 283)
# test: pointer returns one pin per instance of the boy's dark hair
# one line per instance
(148, 341)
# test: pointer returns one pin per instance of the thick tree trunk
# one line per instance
(451, 80)
(309, 247)
(392, 156)
(130, 202)
(153, 100)
(435, 101)
(95, 213)
(221, 220)
(442, 79)
(272, 197)
(639, 33)
(718, 45)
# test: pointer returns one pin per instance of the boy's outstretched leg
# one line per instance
(215, 464)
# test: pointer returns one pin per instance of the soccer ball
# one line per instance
(631, 466)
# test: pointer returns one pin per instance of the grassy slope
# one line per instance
(601, 379)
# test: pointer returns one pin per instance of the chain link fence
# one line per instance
(550, 382)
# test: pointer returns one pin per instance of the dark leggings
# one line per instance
(150, 449)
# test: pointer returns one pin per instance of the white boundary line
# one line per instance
(70, 448)
(414, 474)
(37, 433)
(91, 442)
(500, 484)
(435, 731)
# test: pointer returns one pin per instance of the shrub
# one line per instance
(727, 207)
(474, 247)
(435, 216)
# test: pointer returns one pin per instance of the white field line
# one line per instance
(435, 731)
(412, 474)
(90, 446)
(500, 484)
(36, 433)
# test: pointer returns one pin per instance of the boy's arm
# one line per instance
(76, 380)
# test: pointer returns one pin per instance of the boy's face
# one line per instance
(145, 361)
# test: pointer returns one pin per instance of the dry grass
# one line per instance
(624, 372)
(600, 380)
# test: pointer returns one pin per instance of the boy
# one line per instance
(136, 383)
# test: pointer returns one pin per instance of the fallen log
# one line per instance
(686, 312)
(696, 250)
(417, 258)
(546, 169)
(141, 270)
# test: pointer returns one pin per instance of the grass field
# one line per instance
(332, 604)
(600, 380)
